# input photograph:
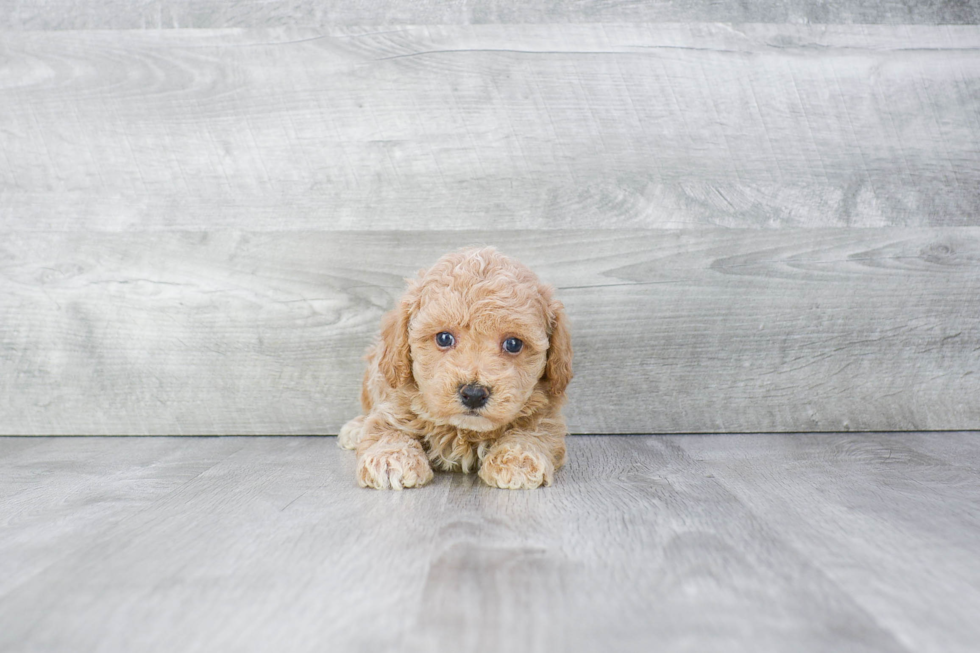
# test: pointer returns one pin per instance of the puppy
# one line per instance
(469, 374)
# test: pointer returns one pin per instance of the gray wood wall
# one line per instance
(761, 218)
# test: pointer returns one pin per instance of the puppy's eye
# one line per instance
(513, 345)
(445, 340)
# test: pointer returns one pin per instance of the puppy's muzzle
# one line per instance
(474, 396)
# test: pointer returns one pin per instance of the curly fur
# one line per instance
(413, 418)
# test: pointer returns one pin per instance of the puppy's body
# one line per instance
(444, 384)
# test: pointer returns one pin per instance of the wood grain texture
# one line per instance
(675, 331)
(516, 126)
(164, 14)
(57, 492)
(861, 495)
(735, 543)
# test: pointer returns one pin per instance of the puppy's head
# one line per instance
(482, 339)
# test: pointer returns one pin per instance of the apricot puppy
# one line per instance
(469, 373)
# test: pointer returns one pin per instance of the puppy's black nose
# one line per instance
(473, 396)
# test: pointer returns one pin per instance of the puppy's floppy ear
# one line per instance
(558, 369)
(395, 356)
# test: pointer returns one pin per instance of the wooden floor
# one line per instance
(820, 542)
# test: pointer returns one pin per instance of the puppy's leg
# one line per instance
(390, 459)
(525, 459)
(350, 434)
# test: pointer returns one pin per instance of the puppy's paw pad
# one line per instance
(515, 469)
(393, 468)
(350, 434)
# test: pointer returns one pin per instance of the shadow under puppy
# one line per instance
(469, 373)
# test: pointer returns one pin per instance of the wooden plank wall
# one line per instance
(756, 224)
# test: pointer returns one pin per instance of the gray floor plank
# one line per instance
(867, 508)
(954, 448)
(59, 492)
(737, 543)
(119, 14)
(274, 501)
(257, 333)
(518, 126)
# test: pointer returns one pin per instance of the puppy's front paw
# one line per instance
(393, 466)
(350, 434)
(512, 468)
